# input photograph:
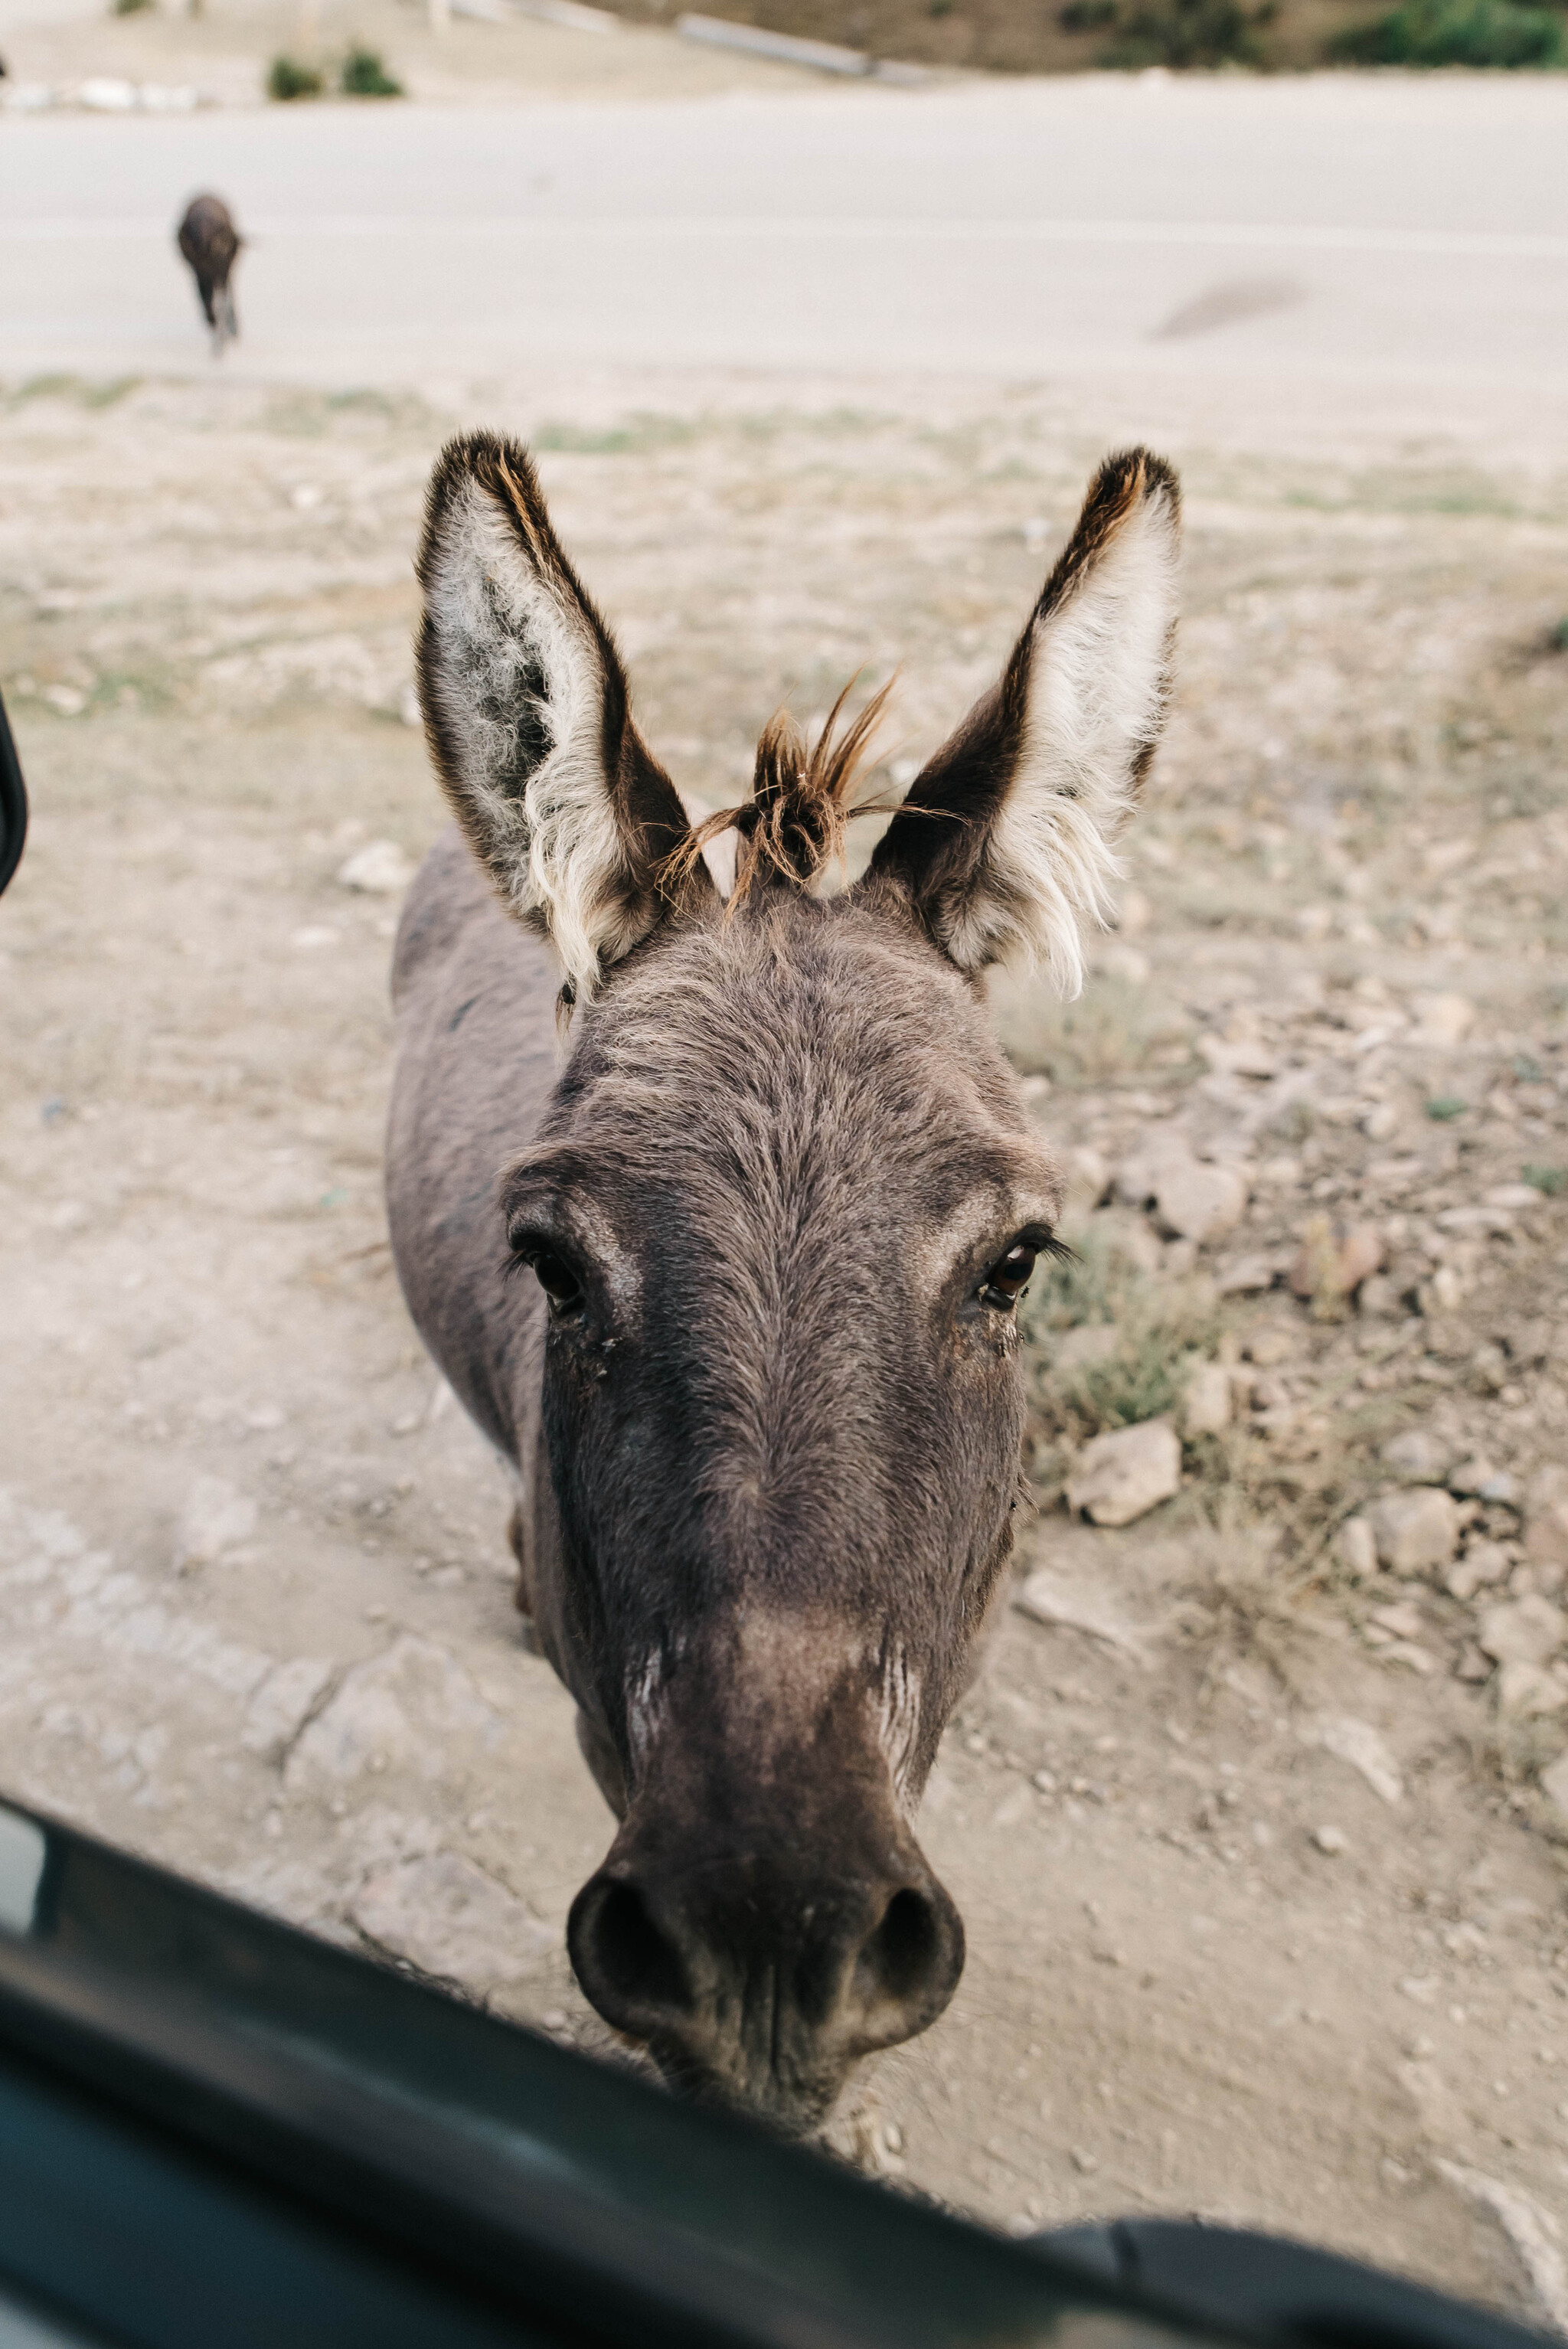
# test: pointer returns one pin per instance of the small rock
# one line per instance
(1331, 1264)
(1086, 2163)
(1415, 1530)
(215, 1518)
(379, 869)
(1332, 1840)
(1206, 1400)
(1051, 1598)
(1473, 1666)
(281, 1705)
(1554, 1783)
(1359, 1744)
(447, 1917)
(1526, 1692)
(1081, 1348)
(1483, 1563)
(1526, 1631)
(1546, 1516)
(1356, 1545)
(1471, 1477)
(1417, 1456)
(1123, 1475)
(1379, 1298)
(1199, 1202)
(1248, 1276)
(1441, 1018)
(1269, 1345)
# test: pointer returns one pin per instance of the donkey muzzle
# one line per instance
(758, 1980)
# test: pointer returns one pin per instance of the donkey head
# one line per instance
(782, 1209)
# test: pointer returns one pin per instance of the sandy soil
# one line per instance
(252, 1580)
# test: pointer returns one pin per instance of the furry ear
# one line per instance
(528, 716)
(1005, 840)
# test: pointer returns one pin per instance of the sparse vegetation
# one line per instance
(1550, 1180)
(365, 76)
(1156, 1329)
(288, 78)
(1445, 1107)
(1187, 33)
(129, 7)
(1475, 33)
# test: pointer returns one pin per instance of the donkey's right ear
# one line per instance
(528, 716)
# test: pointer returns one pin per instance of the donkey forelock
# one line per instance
(781, 1197)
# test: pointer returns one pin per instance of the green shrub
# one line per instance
(1086, 16)
(365, 76)
(129, 7)
(287, 78)
(1185, 33)
(1160, 1325)
(1550, 1180)
(1456, 33)
(1445, 1107)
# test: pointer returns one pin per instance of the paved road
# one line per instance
(1325, 228)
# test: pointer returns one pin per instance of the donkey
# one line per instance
(778, 1198)
(210, 245)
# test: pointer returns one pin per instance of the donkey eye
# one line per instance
(559, 1282)
(1009, 1276)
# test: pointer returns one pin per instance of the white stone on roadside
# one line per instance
(1332, 1840)
(1526, 1631)
(1415, 1530)
(1546, 1515)
(1206, 1399)
(1123, 1475)
(1359, 1744)
(1356, 1546)
(1417, 1456)
(445, 1916)
(1441, 1018)
(283, 1704)
(412, 1707)
(379, 869)
(216, 1517)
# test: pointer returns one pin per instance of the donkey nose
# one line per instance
(759, 1990)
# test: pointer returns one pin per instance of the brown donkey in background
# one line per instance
(778, 1201)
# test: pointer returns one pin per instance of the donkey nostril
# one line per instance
(636, 1964)
(898, 1957)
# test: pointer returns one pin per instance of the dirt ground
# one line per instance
(1263, 1891)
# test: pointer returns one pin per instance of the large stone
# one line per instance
(1124, 1475)
(1416, 1531)
(1546, 1516)
(413, 1708)
(1441, 1018)
(1522, 1631)
(445, 1916)
(1529, 1693)
(1065, 1605)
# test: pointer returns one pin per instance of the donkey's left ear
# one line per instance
(1005, 841)
(528, 716)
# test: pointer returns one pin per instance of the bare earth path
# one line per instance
(1227, 1953)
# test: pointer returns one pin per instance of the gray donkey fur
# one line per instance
(772, 1205)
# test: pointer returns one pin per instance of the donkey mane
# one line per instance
(796, 824)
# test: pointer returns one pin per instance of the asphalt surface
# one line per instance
(1330, 227)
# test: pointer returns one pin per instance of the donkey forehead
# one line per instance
(798, 1058)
